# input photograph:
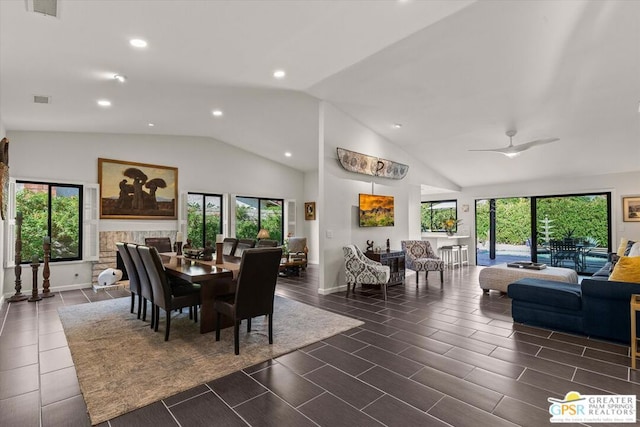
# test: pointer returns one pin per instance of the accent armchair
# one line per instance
(420, 257)
(364, 271)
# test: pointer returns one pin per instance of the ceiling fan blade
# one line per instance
(515, 149)
(536, 143)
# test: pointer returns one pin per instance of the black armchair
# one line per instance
(254, 294)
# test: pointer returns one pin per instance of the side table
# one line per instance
(635, 307)
(395, 261)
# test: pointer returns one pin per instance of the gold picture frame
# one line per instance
(631, 209)
(130, 190)
(310, 211)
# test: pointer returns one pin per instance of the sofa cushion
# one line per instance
(627, 269)
(547, 292)
(603, 273)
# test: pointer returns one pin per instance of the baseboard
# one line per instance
(53, 289)
(334, 289)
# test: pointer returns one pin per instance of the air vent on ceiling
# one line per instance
(46, 7)
(41, 99)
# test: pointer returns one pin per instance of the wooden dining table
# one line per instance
(213, 280)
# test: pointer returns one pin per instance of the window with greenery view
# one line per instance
(50, 210)
(204, 218)
(253, 214)
(433, 214)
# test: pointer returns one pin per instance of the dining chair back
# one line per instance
(229, 246)
(134, 281)
(162, 244)
(162, 291)
(255, 291)
(145, 285)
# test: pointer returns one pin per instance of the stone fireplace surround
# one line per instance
(108, 249)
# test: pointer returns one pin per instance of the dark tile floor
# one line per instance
(425, 357)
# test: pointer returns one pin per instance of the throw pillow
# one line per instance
(622, 247)
(627, 269)
(630, 244)
(635, 249)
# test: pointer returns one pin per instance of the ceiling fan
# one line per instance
(512, 151)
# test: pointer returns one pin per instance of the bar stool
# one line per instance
(464, 254)
(450, 254)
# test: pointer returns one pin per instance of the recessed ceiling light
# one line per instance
(151, 125)
(287, 154)
(104, 103)
(138, 43)
(217, 113)
(279, 74)
(397, 126)
(120, 77)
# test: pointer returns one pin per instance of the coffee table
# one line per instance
(291, 267)
(498, 277)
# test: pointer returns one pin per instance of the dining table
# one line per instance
(213, 280)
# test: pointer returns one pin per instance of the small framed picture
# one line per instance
(310, 211)
(631, 209)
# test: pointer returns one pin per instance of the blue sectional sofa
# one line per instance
(597, 307)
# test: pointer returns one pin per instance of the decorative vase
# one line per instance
(450, 232)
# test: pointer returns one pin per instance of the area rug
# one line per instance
(123, 365)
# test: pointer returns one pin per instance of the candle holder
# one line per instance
(178, 248)
(18, 296)
(34, 293)
(46, 293)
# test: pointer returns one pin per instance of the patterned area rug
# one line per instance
(123, 365)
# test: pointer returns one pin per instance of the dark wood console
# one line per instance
(395, 260)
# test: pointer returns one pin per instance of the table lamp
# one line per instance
(263, 234)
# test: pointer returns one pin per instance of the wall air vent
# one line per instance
(45, 7)
(41, 99)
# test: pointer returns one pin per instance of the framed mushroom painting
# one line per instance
(131, 190)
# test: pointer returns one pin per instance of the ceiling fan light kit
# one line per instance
(512, 151)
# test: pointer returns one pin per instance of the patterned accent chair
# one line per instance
(361, 270)
(420, 257)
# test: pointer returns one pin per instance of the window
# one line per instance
(50, 210)
(433, 214)
(204, 218)
(254, 214)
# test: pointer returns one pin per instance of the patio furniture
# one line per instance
(564, 250)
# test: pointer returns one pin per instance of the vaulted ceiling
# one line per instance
(454, 75)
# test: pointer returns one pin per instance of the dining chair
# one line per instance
(255, 289)
(134, 281)
(145, 285)
(164, 296)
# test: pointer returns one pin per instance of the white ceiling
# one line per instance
(456, 75)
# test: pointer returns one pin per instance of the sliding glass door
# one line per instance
(571, 231)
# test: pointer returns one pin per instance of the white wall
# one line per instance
(340, 188)
(619, 185)
(311, 228)
(204, 165)
(2, 281)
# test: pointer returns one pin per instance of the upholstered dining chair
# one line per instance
(134, 281)
(162, 244)
(145, 285)
(420, 257)
(164, 296)
(255, 288)
(360, 270)
(243, 245)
